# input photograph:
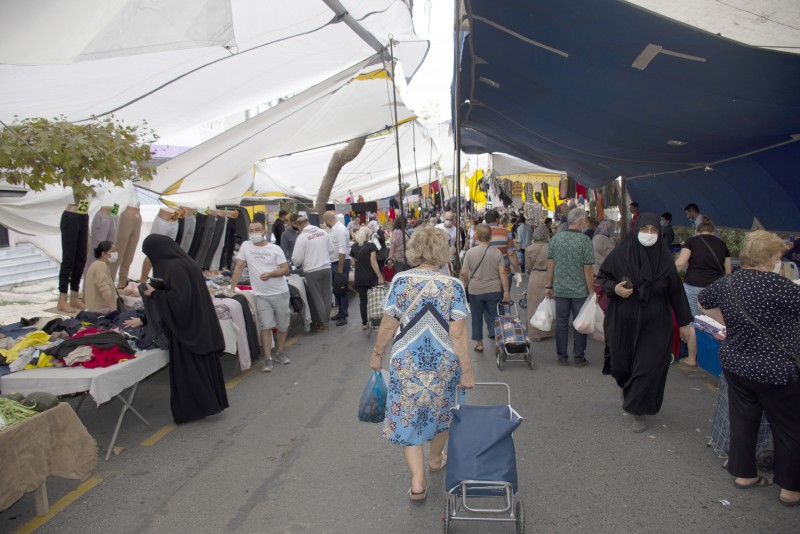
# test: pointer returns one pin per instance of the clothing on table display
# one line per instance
(103, 228)
(213, 246)
(162, 227)
(197, 384)
(130, 226)
(230, 332)
(188, 232)
(74, 243)
(237, 316)
(197, 238)
(253, 338)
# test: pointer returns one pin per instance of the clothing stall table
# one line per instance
(103, 384)
(52, 443)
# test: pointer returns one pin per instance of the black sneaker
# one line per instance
(581, 363)
(342, 321)
(563, 363)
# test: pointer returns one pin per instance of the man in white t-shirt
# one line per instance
(268, 268)
(340, 262)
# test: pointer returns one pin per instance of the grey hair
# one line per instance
(576, 216)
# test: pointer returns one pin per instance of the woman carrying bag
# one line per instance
(760, 357)
(484, 276)
(536, 266)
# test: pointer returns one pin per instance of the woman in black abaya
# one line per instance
(638, 323)
(195, 336)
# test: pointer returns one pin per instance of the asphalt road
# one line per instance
(289, 456)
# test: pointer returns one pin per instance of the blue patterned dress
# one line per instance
(423, 371)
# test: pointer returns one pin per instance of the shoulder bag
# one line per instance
(769, 336)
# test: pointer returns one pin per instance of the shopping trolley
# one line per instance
(510, 336)
(482, 466)
(376, 299)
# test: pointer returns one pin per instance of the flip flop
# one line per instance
(478, 348)
(760, 482)
(790, 503)
(444, 463)
(418, 496)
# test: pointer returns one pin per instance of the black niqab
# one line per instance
(644, 265)
(186, 306)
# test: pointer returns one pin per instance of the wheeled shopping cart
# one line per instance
(510, 336)
(376, 298)
(482, 465)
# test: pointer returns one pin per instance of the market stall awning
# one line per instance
(184, 63)
(605, 89)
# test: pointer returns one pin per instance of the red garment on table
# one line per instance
(102, 357)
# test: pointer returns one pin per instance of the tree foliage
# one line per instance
(56, 152)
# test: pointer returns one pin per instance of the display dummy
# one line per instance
(74, 247)
(105, 224)
(166, 224)
(130, 227)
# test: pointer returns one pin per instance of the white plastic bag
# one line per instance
(584, 322)
(545, 314)
(599, 332)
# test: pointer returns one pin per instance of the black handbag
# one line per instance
(340, 283)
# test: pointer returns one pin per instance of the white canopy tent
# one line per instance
(183, 63)
(351, 104)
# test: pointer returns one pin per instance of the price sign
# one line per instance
(83, 207)
(115, 209)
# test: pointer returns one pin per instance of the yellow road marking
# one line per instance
(62, 503)
(152, 440)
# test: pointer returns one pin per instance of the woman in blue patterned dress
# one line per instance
(429, 358)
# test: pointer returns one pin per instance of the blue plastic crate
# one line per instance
(708, 353)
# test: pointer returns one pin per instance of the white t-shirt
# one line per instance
(341, 242)
(264, 259)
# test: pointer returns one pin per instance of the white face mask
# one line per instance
(663, 222)
(448, 224)
(647, 240)
(256, 238)
(113, 257)
(778, 267)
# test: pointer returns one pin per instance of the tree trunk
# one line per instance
(340, 158)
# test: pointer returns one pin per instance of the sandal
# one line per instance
(789, 502)
(760, 482)
(418, 496)
(444, 463)
(479, 347)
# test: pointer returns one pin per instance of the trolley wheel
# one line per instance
(499, 358)
(520, 511)
(446, 516)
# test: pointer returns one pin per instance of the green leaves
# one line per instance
(39, 152)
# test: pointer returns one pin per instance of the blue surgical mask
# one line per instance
(663, 222)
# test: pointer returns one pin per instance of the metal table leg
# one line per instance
(127, 404)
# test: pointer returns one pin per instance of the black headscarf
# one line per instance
(185, 305)
(642, 265)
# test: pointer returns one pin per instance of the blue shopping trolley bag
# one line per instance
(480, 446)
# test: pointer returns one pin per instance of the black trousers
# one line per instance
(362, 302)
(74, 245)
(747, 399)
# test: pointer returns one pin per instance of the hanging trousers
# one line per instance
(104, 228)
(205, 245)
(74, 244)
(199, 232)
(188, 233)
(130, 226)
(747, 399)
(213, 245)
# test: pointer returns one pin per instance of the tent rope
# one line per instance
(401, 193)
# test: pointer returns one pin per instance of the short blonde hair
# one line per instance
(428, 245)
(483, 233)
(759, 248)
(362, 235)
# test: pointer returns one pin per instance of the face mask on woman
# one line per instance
(663, 222)
(113, 257)
(256, 238)
(778, 267)
(647, 240)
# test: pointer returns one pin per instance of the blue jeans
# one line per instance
(691, 296)
(342, 301)
(565, 306)
(484, 306)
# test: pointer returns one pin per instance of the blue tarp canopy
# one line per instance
(604, 88)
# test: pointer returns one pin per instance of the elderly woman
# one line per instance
(367, 273)
(484, 275)
(99, 292)
(536, 266)
(399, 239)
(430, 355)
(602, 243)
(642, 284)
(759, 357)
(705, 258)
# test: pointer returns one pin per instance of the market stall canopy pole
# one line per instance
(604, 89)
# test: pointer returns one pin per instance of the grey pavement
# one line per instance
(289, 456)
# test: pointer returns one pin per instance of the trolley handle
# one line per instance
(493, 384)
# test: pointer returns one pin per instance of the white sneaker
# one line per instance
(282, 358)
(267, 366)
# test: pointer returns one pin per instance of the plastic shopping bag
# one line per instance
(584, 322)
(372, 407)
(599, 332)
(545, 315)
